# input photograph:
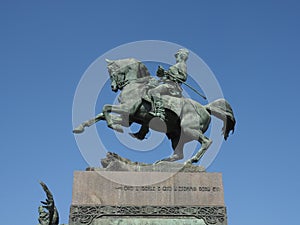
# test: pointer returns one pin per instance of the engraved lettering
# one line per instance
(185, 188)
(167, 188)
(148, 188)
(128, 188)
(216, 189)
(204, 189)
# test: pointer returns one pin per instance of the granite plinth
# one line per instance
(147, 188)
(126, 197)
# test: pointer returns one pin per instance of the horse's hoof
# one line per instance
(78, 130)
(170, 159)
(157, 162)
(137, 136)
(190, 161)
(173, 158)
(176, 157)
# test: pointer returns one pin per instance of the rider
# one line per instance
(170, 83)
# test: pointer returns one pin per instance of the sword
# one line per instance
(194, 90)
(197, 92)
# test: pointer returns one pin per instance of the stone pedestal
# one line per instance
(140, 198)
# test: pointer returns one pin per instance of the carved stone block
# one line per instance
(139, 198)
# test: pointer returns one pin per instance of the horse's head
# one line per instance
(113, 69)
(123, 71)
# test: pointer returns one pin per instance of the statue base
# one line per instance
(148, 196)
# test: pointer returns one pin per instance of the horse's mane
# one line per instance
(142, 70)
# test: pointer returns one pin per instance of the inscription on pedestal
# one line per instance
(168, 188)
(185, 189)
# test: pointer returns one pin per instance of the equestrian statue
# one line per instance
(158, 104)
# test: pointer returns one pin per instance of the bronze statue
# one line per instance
(144, 98)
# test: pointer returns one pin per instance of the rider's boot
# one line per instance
(158, 109)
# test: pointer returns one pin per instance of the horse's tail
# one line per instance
(222, 110)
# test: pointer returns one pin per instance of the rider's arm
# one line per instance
(178, 71)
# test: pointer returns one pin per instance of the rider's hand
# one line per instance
(160, 72)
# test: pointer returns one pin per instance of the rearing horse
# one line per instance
(185, 120)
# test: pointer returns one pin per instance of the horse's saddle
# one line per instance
(172, 103)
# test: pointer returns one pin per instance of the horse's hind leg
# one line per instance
(141, 134)
(205, 143)
(177, 145)
(195, 133)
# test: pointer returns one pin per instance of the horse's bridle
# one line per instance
(120, 80)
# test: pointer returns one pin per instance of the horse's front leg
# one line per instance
(118, 109)
(88, 123)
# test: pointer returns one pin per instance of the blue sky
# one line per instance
(251, 46)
